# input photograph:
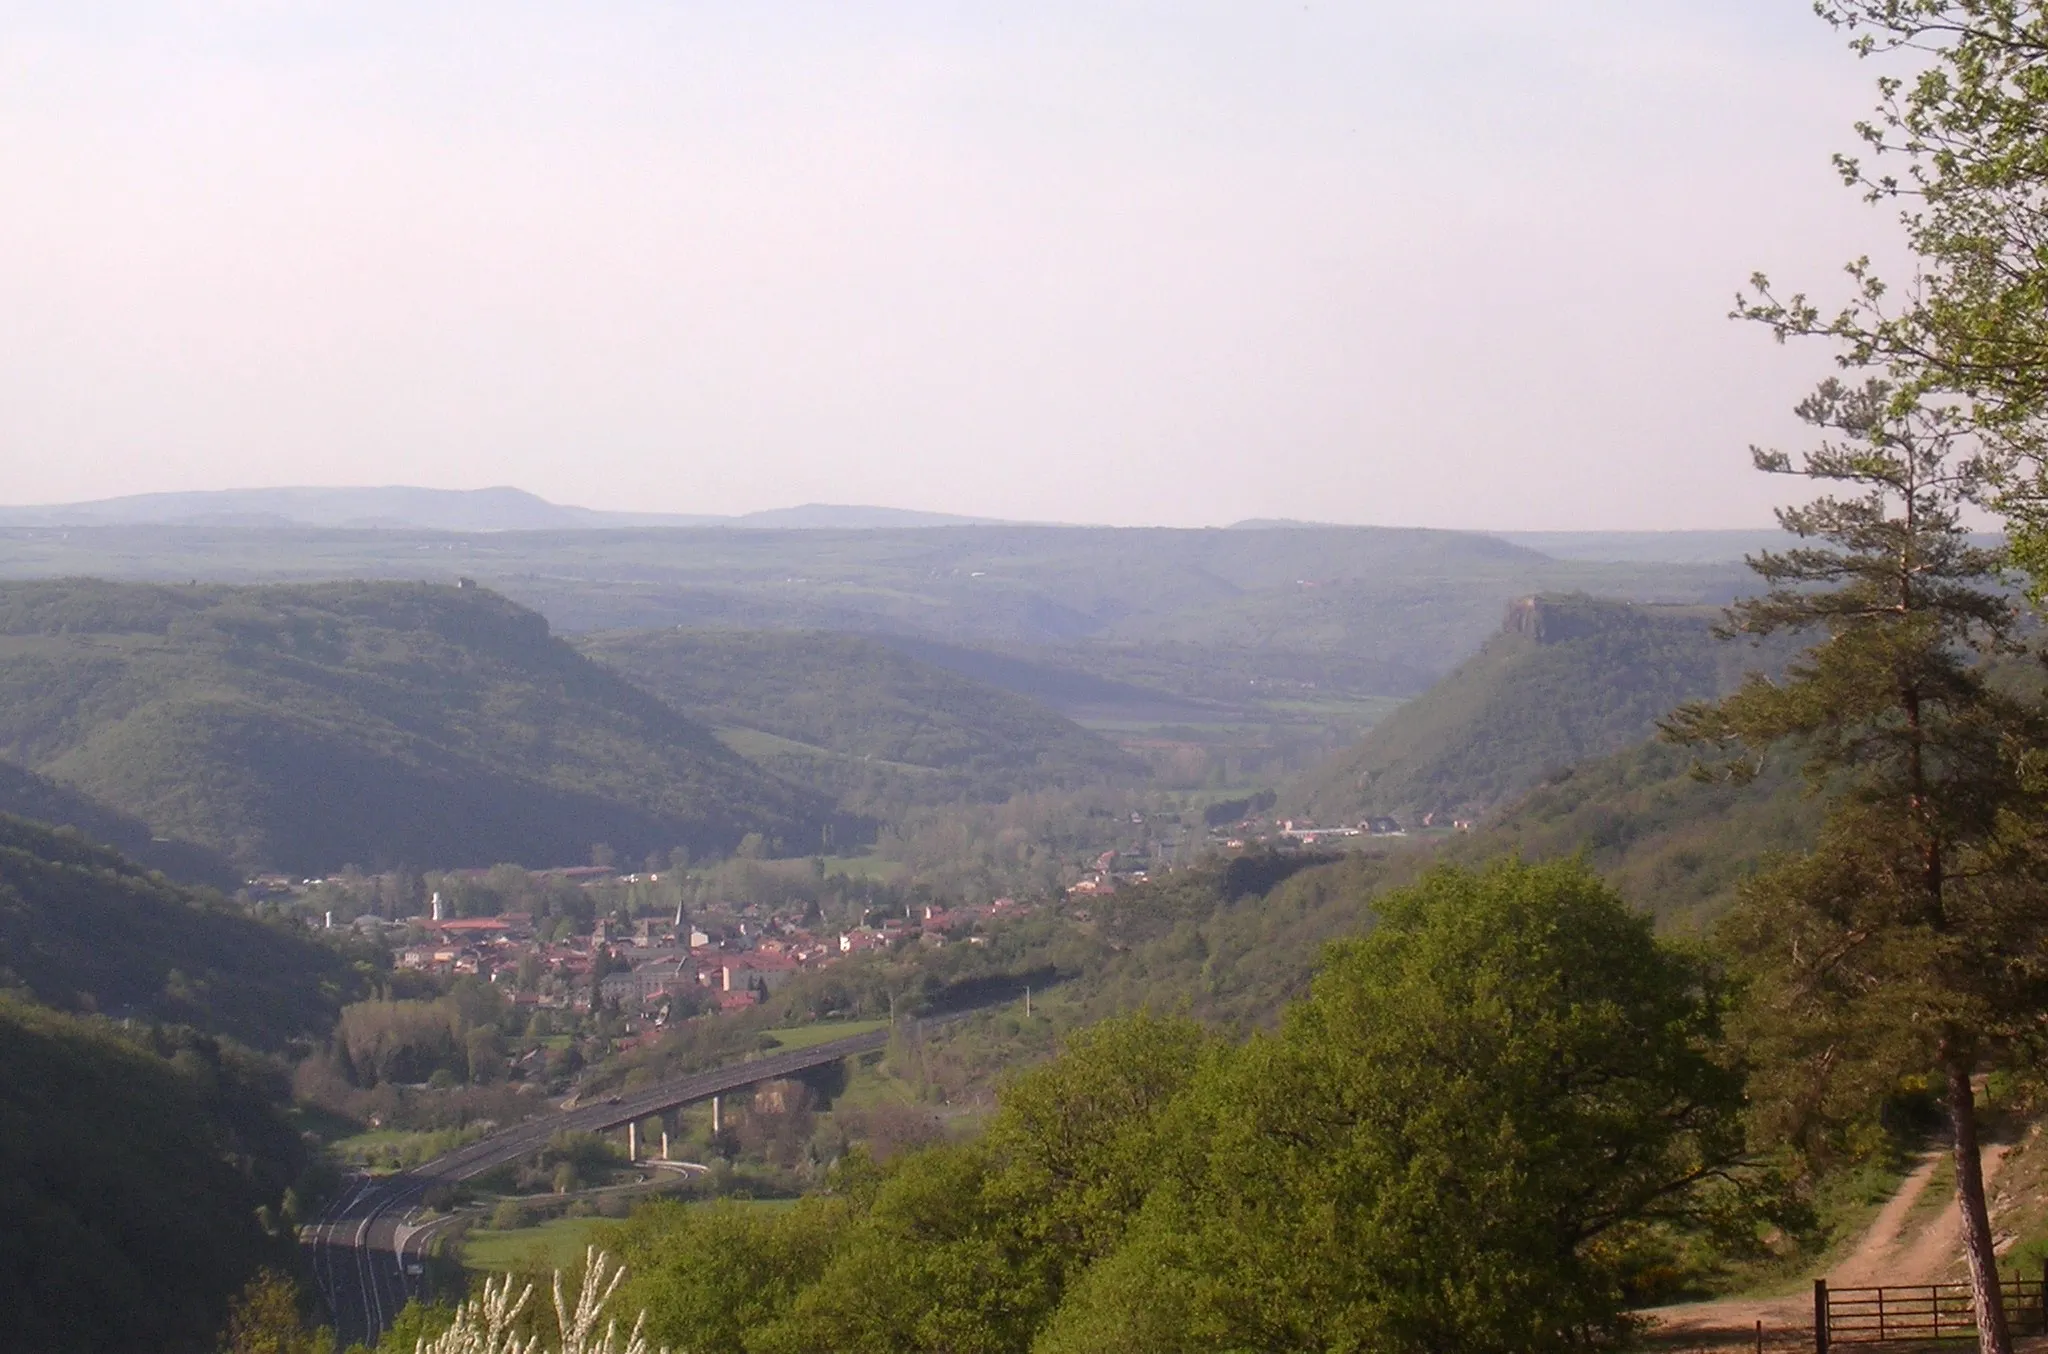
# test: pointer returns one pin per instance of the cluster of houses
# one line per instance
(1110, 870)
(724, 962)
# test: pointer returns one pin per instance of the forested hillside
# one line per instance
(84, 929)
(1236, 938)
(144, 1177)
(877, 726)
(25, 794)
(307, 727)
(1244, 655)
(1565, 679)
(1670, 843)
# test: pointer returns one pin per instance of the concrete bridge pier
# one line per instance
(714, 1115)
(632, 1142)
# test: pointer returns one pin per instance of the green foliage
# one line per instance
(713, 1276)
(1906, 930)
(131, 1179)
(1462, 1139)
(1567, 678)
(851, 712)
(415, 1322)
(24, 794)
(305, 727)
(970, 1247)
(265, 1318)
(1675, 845)
(928, 1267)
(84, 928)
(1079, 1140)
(408, 1041)
(1449, 1146)
(1960, 143)
(1913, 934)
(1026, 847)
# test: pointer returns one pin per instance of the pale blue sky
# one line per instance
(1147, 263)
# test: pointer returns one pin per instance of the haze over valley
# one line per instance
(1032, 680)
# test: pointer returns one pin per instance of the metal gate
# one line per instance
(1902, 1313)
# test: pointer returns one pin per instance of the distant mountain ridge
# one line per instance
(506, 508)
(500, 508)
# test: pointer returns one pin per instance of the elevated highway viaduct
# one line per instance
(358, 1246)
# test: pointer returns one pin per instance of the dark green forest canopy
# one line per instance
(85, 929)
(132, 1173)
(1564, 680)
(853, 705)
(306, 727)
(25, 794)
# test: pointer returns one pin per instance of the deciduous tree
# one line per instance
(1959, 143)
(1452, 1144)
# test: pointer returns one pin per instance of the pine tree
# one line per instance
(1910, 937)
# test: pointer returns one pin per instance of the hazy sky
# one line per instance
(1176, 263)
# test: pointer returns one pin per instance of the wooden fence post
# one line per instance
(1820, 1316)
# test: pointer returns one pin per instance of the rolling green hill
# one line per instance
(305, 727)
(24, 794)
(1674, 846)
(82, 928)
(145, 1170)
(1260, 650)
(136, 1173)
(859, 716)
(1232, 940)
(1565, 679)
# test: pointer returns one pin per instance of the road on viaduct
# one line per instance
(358, 1247)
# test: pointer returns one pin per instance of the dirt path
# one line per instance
(1938, 1249)
(1876, 1255)
(1885, 1253)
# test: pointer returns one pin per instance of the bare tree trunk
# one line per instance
(1985, 1295)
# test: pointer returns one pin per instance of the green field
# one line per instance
(400, 1147)
(808, 1036)
(558, 1244)
(552, 1245)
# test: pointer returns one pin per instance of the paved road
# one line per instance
(361, 1246)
